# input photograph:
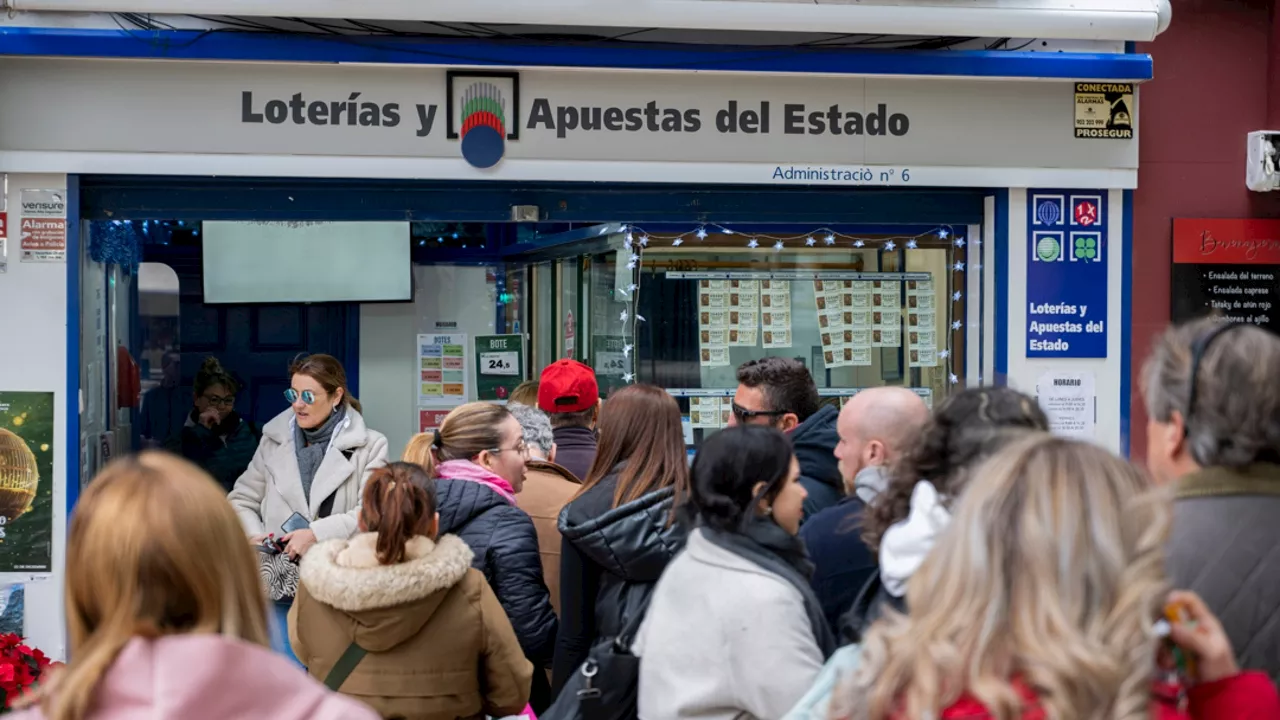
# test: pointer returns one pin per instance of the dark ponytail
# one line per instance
(399, 503)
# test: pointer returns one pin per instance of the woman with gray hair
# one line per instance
(547, 489)
(1213, 433)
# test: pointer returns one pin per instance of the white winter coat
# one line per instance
(723, 639)
(270, 490)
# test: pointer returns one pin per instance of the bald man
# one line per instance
(876, 426)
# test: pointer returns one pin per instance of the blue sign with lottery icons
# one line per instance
(1067, 273)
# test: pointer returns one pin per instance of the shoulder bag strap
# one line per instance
(348, 662)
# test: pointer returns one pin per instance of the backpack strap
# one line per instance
(351, 657)
(326, 507)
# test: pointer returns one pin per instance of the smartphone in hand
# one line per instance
(296, 521)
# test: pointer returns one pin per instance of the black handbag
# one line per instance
(607, 684)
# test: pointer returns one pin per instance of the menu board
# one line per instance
(1228, 267)
(442, 367)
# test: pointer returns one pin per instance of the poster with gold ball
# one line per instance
(26, 481)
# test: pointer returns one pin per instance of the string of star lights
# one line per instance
(636, 240)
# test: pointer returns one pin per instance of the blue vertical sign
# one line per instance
(1067, 274)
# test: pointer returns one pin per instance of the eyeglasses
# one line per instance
(743, 415)
(521, 447)
(307, 396)
(219, 401)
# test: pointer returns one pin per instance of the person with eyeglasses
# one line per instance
(215, 436)
(780, 392)
(1213, 437)
(305, 481)
(477, 457)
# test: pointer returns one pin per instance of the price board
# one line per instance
(499, 365)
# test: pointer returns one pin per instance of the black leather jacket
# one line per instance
(611, 558)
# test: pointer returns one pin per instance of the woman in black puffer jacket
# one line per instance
(478, 457)
(618, 531)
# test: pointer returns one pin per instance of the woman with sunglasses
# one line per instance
(305, 481)
(478, 457)
(215, 436)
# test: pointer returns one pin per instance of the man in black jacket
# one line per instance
(569, 394)
(780, 392)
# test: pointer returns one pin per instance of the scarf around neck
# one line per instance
(764, 543)
(310, 447)
(471, 472)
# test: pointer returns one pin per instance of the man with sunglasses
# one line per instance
(780, 392)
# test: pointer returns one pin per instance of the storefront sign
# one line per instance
(1070, 400)
(525, 124)
(499, 365)
(442, 363)
(26, 481)
(1228, 267)
(43, 227)
(1067, 274)
(1105, 110)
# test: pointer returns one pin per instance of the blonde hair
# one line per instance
(1052, 572)
(526, 393)
(465, 432)
(154, 549)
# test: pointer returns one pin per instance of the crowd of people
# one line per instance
(560, 556)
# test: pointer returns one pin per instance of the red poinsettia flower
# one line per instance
(7, 673)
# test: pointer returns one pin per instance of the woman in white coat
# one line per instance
(310, 468)
(733, 630)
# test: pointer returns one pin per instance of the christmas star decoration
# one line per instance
(629, 240)
(752, 243)
(944, 354)
(810, 242)
(644, 241)
(959, 267)
(631, 264)
(959, 242)
(702, 233)
(956, 325)
(956, 296)
(911, 245)
(858, 243)
(678, 242)
(628, 377)
(626, 350)
(890, 246)
(633, 287)
(726, 231)
(623, 316)
(777, 247)
(829, 239)
(943, 233)
(640, 318)
(953, 378)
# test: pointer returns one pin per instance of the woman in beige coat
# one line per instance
(312, 462)
(436, 644)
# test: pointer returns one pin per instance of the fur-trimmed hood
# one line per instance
(388, 604)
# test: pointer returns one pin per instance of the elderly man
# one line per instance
(1213, 403)
(875, 427)
(547, 489)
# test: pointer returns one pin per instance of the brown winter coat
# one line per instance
(547, 489)
(439, 645)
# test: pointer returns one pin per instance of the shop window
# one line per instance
(868, 312)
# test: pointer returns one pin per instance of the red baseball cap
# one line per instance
(567, 386)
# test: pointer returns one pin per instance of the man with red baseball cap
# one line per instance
(569, 394)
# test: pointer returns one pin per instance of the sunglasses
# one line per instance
(307, 396)
(743, 415)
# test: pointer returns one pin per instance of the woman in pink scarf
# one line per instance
(478, 457)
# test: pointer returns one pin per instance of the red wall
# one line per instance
(1211, 88)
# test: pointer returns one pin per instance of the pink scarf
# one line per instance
(471, 472)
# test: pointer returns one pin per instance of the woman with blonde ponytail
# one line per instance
(165, 611)
(396, 617)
